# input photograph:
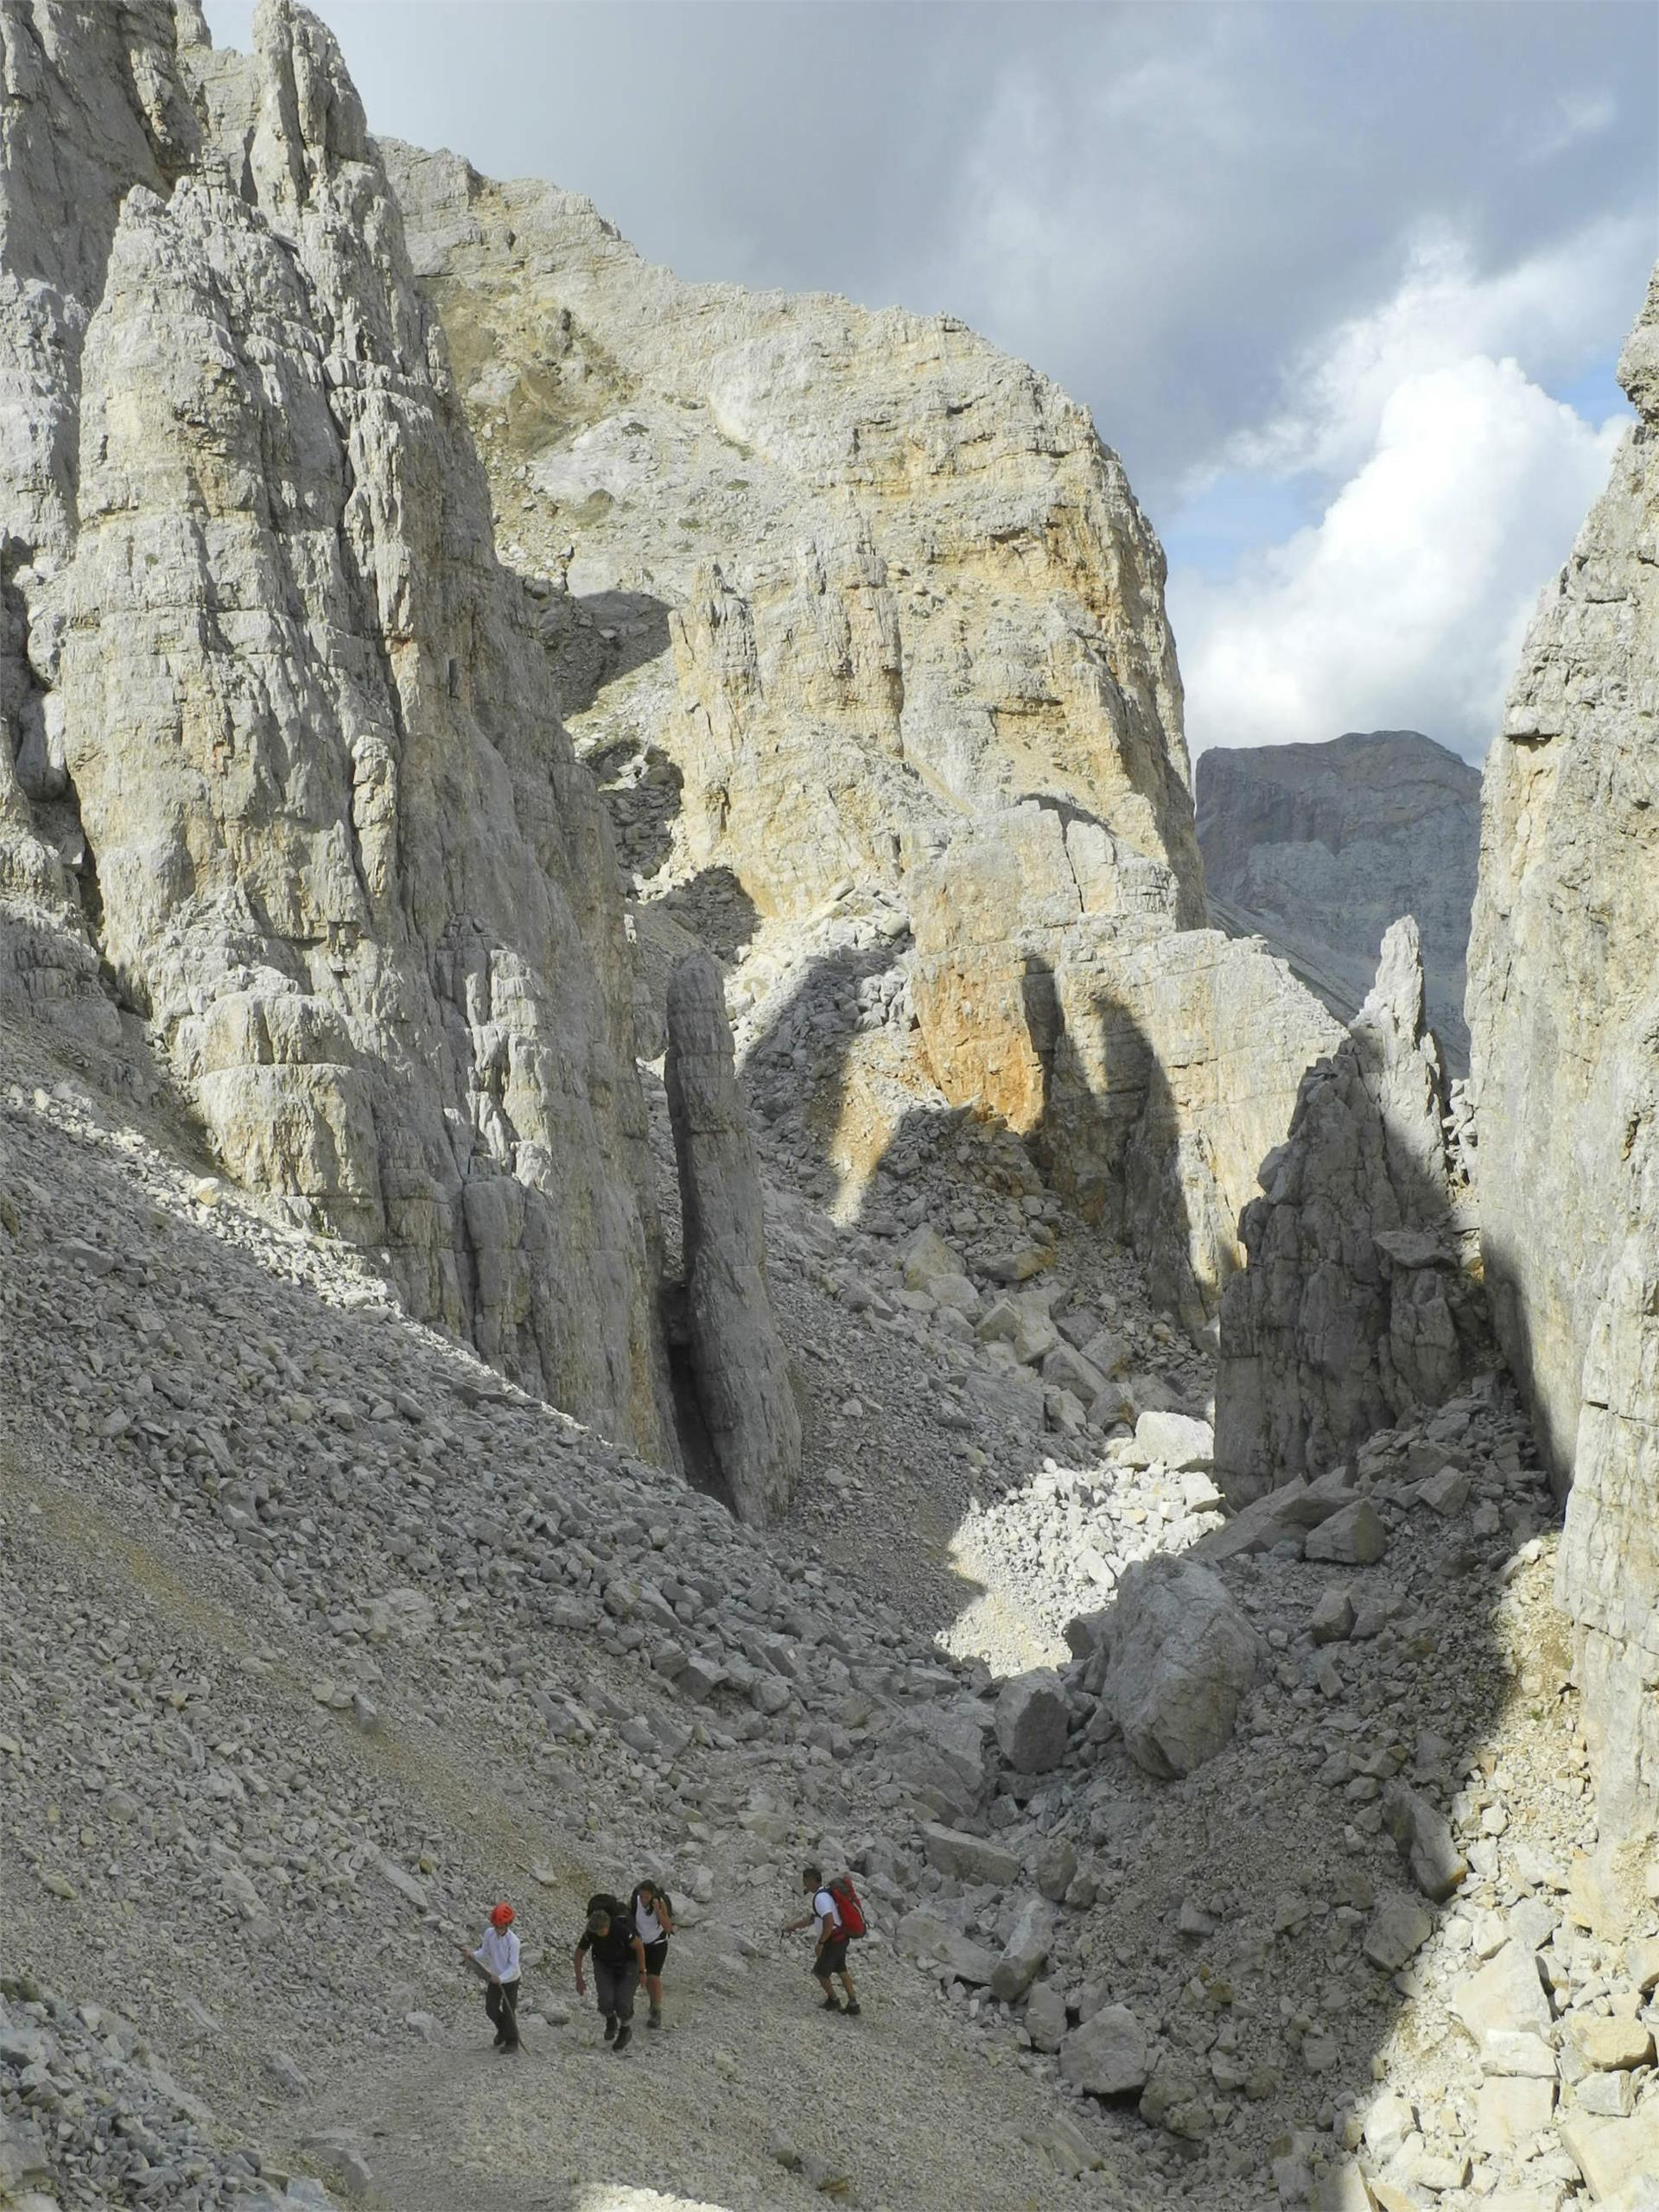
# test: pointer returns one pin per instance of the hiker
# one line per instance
(497, 1959)
(653, 1917)
(835, 1908)
(619, 1962)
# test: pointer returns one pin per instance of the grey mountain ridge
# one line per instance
(1320, 847)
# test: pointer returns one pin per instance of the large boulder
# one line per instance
(1032, 1720)
(1183, 1658)
(1175, 1440)
(939, 1757)
(1107, 2054)
(922, 1935)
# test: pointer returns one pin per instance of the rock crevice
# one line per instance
(740, 1369)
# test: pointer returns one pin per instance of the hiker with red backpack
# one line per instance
(840, 1919)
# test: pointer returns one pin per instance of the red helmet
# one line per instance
(501, 1916)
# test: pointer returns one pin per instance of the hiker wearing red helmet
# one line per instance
(497, 1959)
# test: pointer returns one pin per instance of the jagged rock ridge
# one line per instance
(1320, 847)
(1565, 1018)
(1362, 1304)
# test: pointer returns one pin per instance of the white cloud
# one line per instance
(1404, 606)
(1443, 313)
(1577, 116)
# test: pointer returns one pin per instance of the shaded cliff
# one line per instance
(1565, 1014)
(1321, 847)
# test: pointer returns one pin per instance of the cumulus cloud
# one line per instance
(1444, 312)
(1404, 606)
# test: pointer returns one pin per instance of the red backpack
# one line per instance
(847, 1904)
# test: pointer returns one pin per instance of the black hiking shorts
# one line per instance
(655, 1954)
(832, 1959)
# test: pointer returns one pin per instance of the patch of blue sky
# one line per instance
(1595, 394)
(1236, 515)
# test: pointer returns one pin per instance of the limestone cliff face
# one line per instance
(1321, 847)
(863, 575)
(1564, 1007)
(1362, 1303)
(856, 599)
(282, 753)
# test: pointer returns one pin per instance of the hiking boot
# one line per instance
(656, 2019)
(831, 2004)
(850, 2008)
(610, 2027)
(623, 2036)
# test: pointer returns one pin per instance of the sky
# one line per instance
(1344, 284)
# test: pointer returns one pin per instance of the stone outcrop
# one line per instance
(1565, 1016)
(854, 598)
(1362, 1301)
(1320, 847)
(1150, 1066)
(283, 764)
(740, 1366)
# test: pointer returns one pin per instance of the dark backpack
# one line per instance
(847, 1904)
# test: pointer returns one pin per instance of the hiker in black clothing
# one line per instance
(619, 1960)
(651, 1916)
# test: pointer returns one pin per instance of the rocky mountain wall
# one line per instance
(284, 766)
(1320, 847)
(843, 599)
(1565, 1017)
(867, 576)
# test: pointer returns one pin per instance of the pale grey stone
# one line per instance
(1423, 1840)
(1183, 1658)
(1106, 2055)
(1033, 1720)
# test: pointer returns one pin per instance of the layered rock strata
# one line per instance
(1565, 1016)
(1320, 847)
(283, 758)
(1362, 1303)
(740, 1369)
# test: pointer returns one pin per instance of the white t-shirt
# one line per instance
(499, 1954)
(829, 1912)
(646, 1925)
